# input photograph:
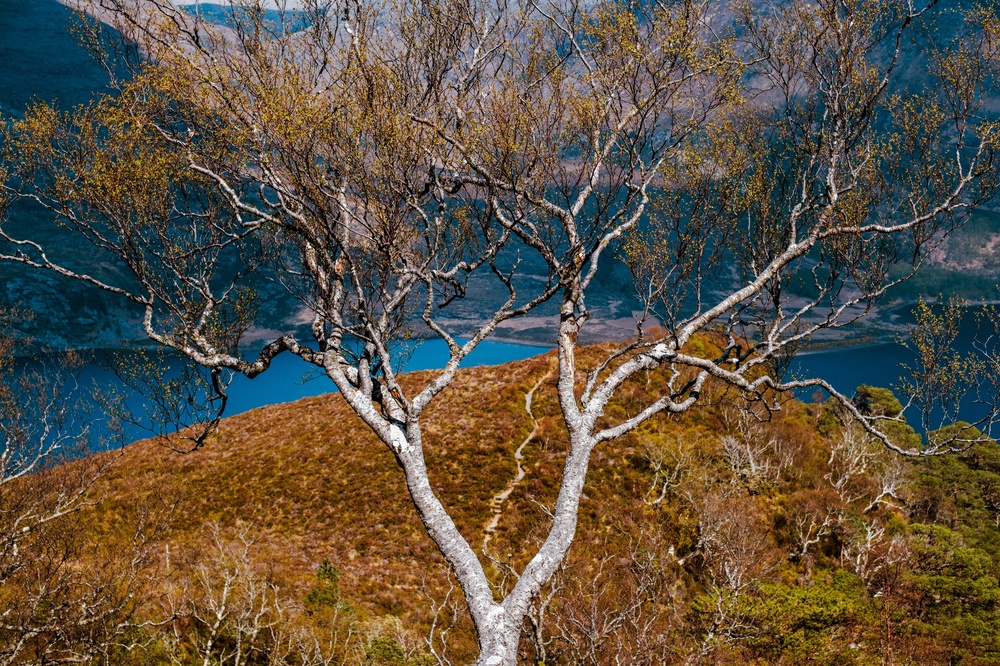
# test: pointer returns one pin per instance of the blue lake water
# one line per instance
(847, 368)
(289, 378)
(886, 364)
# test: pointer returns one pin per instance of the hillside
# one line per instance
(715, 538)
(314, 483)
(43, 63)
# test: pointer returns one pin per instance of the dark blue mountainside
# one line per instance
(39, 60)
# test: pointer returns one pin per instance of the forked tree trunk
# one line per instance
(498, 625)
(498, 644)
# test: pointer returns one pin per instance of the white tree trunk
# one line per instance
(498, 644)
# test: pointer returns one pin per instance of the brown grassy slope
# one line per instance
(310, 482)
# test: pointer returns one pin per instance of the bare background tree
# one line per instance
(56, 607)
(386, 161)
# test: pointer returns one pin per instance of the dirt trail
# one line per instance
(496, 504)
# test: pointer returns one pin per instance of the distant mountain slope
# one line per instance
(41, 61)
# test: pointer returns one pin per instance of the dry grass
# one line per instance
(310, 482)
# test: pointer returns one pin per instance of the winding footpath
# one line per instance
(496, 504)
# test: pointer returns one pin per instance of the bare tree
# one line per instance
(812, 516)
(852, 456)
(670, 461)
(738, 555)
(750, 449)
(64, 599)
(621, 607)
(385, 161)
(862, 470)
(230, 607)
